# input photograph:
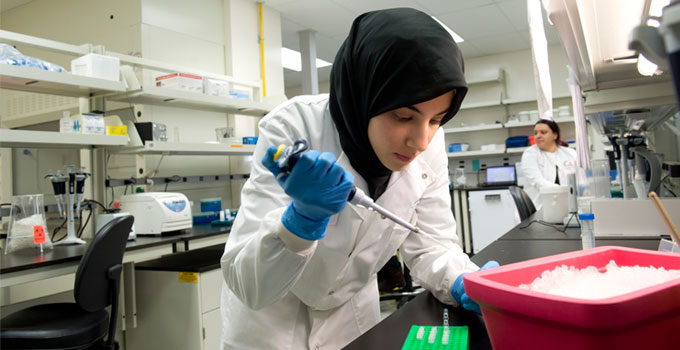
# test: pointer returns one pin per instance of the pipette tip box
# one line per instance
(434, 338)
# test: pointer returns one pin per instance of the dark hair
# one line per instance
(555, 129)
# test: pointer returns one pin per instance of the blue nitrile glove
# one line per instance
(319, 188)
(458, 290)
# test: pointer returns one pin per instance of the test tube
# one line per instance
(421, 333)
(433, 335)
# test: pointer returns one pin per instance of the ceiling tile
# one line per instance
(516, 12)
(361, 6)
(439, 7)
(321, 15)
(501, 43)
(469, 50)
(478, 22)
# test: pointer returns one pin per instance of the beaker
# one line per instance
(459, 179)
(224, 133)
(26, 218)
(600, 181)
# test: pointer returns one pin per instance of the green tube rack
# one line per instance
(458, 339)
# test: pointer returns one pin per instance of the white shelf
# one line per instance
(515, 150)
(189, 149)
(569, 119)
(192, 100)
(53, 139)
(509, 101)
(473, 128)
(497, 78)
(480, 104)
(519, 124)
(470, 154)
(55, 83)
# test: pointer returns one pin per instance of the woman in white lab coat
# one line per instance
(545, 163)
(300, 263)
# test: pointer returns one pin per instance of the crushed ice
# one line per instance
(589, 283)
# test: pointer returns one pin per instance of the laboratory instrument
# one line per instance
(157, 212)
(76, 186)
(59, 185)
(287, 157)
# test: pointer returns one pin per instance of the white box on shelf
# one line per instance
(181, 81)
(97, 66)
(215, 87)
(87, 123)
(492, 147)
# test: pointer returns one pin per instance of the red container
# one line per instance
(521, 319)
(532, 140)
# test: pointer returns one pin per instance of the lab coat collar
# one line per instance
(359, 182)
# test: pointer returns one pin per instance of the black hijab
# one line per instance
(391, 59)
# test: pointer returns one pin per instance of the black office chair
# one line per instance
(525, 206)
(85, 323)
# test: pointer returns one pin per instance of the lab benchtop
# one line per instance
(523, 242)
(27, 259)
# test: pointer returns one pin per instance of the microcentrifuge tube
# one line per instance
(433, 335)
(445, 336)
(421, 332)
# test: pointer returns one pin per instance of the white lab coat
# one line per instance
(288, 293)
(538, 167)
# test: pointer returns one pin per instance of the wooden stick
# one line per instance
(667, 219)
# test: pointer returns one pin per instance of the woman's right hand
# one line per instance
(319, 187)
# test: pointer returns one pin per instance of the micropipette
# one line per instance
(286, 157)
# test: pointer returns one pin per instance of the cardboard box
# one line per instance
(215, 87)
(181, 81)
(97, 66)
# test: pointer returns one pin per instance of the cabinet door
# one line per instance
(212, 330)
(211, 289)
(492, 214)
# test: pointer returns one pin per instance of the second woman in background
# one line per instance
(543, 164)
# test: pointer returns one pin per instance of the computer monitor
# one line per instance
(500, 176)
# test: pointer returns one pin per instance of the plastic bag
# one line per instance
(10, 55)
(26, 222)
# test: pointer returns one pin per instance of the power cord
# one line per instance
(554, 226)
(168, 180)
(54, 232)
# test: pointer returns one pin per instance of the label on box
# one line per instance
(116, 130)
(38, 234)
(181, 81)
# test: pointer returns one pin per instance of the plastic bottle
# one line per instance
(587, 237)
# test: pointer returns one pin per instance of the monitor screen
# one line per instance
(500, 174)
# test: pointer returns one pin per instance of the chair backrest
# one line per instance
(527, 200)
(524, 205)
(92, 287)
